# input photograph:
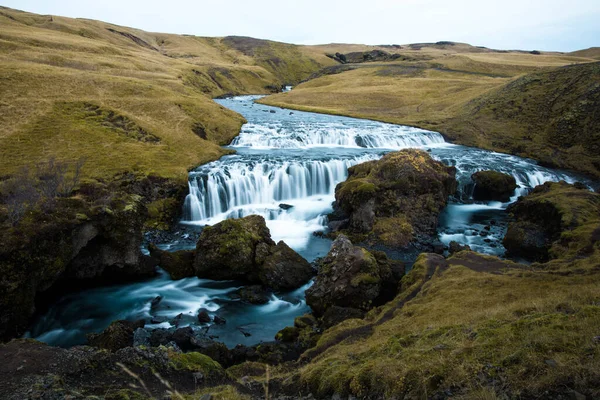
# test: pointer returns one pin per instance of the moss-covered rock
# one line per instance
(350, 276)
(284, 268)
(52, 244)
(493, 185)
(243, 249)
(395, 200)
(233, 248)
(117, 336)
(179, 264)
(555, 221)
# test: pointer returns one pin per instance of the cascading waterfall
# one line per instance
(219, 188)
(303, 135)
(297, 159)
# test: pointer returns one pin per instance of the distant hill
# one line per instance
(592, 52)
(552, 116)
(54, 70)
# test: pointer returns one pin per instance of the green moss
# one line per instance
(194, 362)
(288, 334)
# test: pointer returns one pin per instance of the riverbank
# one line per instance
(540, 113)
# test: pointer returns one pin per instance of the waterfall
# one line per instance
(306, 135)
(239, 188)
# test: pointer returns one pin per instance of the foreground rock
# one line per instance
(556, 220)
(352, 277)
(117, 336)
(77, 243)
(394, 201)
(493, 185)
(179, 264)
(243, 249)
(33, 370)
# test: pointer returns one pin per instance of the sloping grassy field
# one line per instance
(478, 97)
(54, 70)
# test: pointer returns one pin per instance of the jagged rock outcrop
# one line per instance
(179, 264)
(69, 245)
(351, 277)
(395, 200)
(32, 369)
(243, 249)
(493, 185)
(117, 336)
(556, 220)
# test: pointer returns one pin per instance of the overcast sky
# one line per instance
(507, 24)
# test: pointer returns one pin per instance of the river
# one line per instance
(286, 167)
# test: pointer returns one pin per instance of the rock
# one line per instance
(493, 185)
(272, 111)
(285, 206)
(203, 316)
(227, 250)
(141, 337)
(555, 220)
(179, 264)
(155, 302)
(349, 276)
(396, 200)
(88, 370)
(243, 249)
(288, 334)
(66, 248)
(183, 338)
(219, 321)
(305, 321)
(455, 247)
(334, 315)
(438, 247)
(254, 294)
(160, 337)
(117, 336)
(284, 269)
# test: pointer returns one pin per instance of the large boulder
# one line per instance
(394, 201)
(243, 249)
(117, 336)
(75, 242)
(351, 277)
(179, 264)
(493, 185)
(556, 220)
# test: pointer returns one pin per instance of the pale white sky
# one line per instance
(508, 24)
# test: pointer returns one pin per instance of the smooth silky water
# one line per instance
(286, 167)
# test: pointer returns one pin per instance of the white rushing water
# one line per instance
(287, 166)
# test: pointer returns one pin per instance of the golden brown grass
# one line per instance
(511, 333)
(465, 95)
(163, 83)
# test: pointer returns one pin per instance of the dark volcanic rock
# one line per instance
(179, 264)
(350, 276)
(396, 200)
(203, 316)
(555, 219)
(33, 370)
(243, 249)
(254, 294)
(493, 185)
(455, 247)
(117, 336)
(284, 268)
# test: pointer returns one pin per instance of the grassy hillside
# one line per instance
(73, 88)
(552, 116)
(475, 96)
